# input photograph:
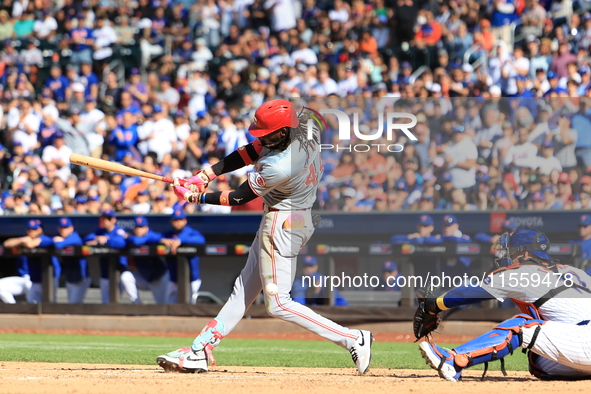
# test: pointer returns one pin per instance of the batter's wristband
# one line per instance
(225, 198)
(201, 198)
(210, 174)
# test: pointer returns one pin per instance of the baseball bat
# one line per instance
(109, 166)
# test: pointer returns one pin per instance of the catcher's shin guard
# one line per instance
(209, 338)
(494, 345)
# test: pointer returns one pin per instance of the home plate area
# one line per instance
(40, 378)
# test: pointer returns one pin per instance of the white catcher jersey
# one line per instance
(535, 281)
(288, 180)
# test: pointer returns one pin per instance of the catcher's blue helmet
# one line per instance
(524, 240)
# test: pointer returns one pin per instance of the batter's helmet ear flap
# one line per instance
(272, 116)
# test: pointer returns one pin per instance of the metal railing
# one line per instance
(481, 60)
(117, 66)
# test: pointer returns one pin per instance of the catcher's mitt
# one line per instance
(428, 316)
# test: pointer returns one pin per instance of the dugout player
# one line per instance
(181, 234)
(585, 234)
(35, 239)
(75, 268)
(113, 236)
(287, 169)
(554, 324)
(152, 272)
(310, 288)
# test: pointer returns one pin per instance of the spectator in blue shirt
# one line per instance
(124, 137)
(81, 41)
(181, 234)
(58, 84)
(89, 80)
(309, 289)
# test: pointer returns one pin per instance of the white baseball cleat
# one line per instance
(184, 360)
(361, 351)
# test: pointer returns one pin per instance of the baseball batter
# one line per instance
(288, 167)
(556, 303)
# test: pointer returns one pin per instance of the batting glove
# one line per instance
(185, 194)
(198, 183)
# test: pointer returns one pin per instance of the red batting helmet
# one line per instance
(272, 116)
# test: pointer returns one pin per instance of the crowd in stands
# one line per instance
(170, 87)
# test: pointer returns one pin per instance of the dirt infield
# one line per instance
(43, 378)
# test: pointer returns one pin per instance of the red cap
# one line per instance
(272, 116)
(586, 180)
(564, 177)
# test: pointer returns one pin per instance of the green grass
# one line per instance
(231, 352)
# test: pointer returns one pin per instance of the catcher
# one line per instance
(288, 167)
(554, 326)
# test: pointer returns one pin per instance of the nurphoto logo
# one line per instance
(391, 129)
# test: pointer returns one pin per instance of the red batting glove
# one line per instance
(183, 193)
(198, 183)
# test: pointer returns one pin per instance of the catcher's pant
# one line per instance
(272, 259)
(564, 349)
(14, 286)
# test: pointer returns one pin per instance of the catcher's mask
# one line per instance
(522, 240)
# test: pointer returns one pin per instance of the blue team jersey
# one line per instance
(35, 263)
(151, 268)
(187, 236)
(75, 268)
(58, 86)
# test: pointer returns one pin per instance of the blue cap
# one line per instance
(374, 185)
(157, 108)
(64, 222)
(142, 193)
(560, 90)
(201, 114)
(585, 220)
(458, 129)
(521, 78)
(425, 220)
(109, 213)
(93, 198)
(165, 78)
(140, 221)
(310, 260)
(446, 177)
(389, 266)
(34, 224)
(509, 225)
(81, 200)
(448, 220)
(538, 197)
(58, 134)
(179, 113)
(17, 143)
(159, 198)
(548, 144)
(135, 71)
(401, 185)
(548, 189)
(406, 65)
(500, 193)
(178, 214)
(552, 75)
(90, 99)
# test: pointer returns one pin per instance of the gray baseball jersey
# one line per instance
(288, 180)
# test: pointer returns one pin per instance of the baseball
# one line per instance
(271, 289)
